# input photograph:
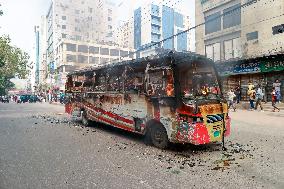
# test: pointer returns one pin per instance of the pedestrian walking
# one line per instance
(238, 94)
(231, 99)
(277, 88)
(274, 99)
(263, 85)
(251, 94)
(259, 98)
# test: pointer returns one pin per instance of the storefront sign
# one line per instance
(242, 68)
(272, 66)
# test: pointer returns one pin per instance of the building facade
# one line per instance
(37, 55)
(155, 22)
(85, 21)
(124, 34)
(73, 55)
(244, 38)
(42, 51)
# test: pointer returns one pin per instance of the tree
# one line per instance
(13, 63)
(1, 12)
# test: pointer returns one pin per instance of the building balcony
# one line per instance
(156, 32)
(155, 15)
(156, 23)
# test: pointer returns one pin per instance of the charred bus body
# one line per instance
(172, 97)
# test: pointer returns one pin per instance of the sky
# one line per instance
(20, 17)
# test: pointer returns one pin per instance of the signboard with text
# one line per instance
(241, 68)
(277, 65)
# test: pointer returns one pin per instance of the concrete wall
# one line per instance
(260, 16)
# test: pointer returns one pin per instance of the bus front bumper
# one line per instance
(201, 133)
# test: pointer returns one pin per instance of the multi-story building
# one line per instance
(155, 22)
(244, 38)
(124, 34)
(77, 54)
(37, 55)
(88, 21)
(42, 51)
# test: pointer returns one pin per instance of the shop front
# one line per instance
(259, 71)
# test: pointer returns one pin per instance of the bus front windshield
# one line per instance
(199, 82)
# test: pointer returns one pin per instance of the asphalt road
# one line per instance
(41, 148)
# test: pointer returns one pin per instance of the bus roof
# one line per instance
(159, 58)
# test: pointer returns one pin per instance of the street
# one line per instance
(40, 147)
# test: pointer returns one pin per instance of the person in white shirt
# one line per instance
(259, 98)
(231, 99)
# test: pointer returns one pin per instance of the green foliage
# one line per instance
(13, 63)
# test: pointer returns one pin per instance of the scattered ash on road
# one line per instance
(174, 160)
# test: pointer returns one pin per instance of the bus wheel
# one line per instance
(159, 136)
(85, 120)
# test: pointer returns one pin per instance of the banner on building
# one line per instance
(239, 68)
(272, 66)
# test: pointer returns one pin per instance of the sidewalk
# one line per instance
(267, 107)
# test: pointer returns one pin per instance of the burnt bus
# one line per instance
(171, 97)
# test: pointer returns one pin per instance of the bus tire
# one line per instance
(85, 121)
(159, 136)
(147, 138)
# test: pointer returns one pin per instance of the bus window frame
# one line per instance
(164, 78)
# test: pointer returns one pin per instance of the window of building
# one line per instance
(213, 23)
(123, 53)
(104, 60)
(228, 49)
(63, 17)
(77, 20)
(70, 58)
(155, 29)
(131, 55)
(278, 29)
(94, 60)
(90, 10)
(178, 19)
(156, 21)
(64, 35)
(104, 51)
(77, 11)
(71, 47)
(109, 27)
(237, 47)
(94, 50)
(83, 48)
(155, 37)
(213, 51)
(109, 19)
(232, 48)
(82, 59)
(109, 11)
(252, 35)
(64, 27)
(232, 16)
(114, 52)
(78, 38)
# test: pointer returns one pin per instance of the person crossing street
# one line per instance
(259, 98)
